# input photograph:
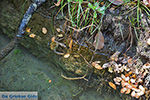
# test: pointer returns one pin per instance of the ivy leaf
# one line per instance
(91, 6)
(80, 1)
(95, 14)
(96, 5)
(69, 0)
(101, 10)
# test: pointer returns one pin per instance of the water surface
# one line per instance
(21, 71)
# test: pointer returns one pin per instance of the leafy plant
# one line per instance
(83, 14)
(133, 21)
(96, 7)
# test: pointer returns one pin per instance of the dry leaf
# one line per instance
(117, 2)
(148, 41)
(130, 61)
(70, 44)
(58, 3)
(106, 65)
(128, 91)
(112, 85)
(123, 83)
(137, 96)
(142, 88)
(133, 94)
(123, 90)
(76, 56)
(132, 80)
(133, 76)
(32, 35)
(117, 80)
(146, 2)
(58, 30)
(128, 74)
(53, 39)
(96, 65)
(114, 57)
(28, 29)
(66, 55)
(78, 71)
(99, 41)
(110, 69)
(49, 81)
(146, 66)
(44, 30)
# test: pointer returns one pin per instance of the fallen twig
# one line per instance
(131, 37)
(78, 30)
(86, 61)
(75, 78)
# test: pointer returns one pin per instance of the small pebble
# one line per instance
(32, 35)
(66, 55)
(148, 41)
(106, 65)
(60, 35)
(132, 80)
(44, 30)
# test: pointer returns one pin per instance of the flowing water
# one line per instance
(21, 71)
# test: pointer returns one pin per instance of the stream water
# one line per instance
(21, 71)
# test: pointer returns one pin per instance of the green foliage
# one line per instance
(23, 7)
(17, 51)
(133, 21)
(83, 14)
(126, 1)
(138, 9)
(96, 7)
(136, 21)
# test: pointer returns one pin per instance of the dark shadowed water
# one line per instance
(21, 71)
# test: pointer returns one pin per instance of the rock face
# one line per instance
(7, 49)
(143, 46)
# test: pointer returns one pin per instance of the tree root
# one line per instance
(21, 30)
